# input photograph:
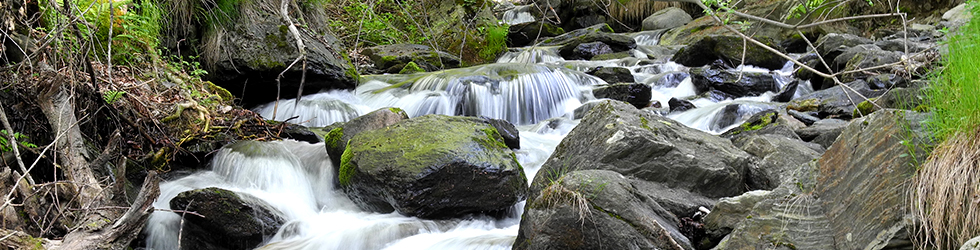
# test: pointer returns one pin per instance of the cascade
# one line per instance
(533, 88)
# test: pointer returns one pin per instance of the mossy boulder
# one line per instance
(228, 220)
(337, 137)
(433, 166)
(395, 58)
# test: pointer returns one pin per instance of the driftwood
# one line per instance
(109, 227)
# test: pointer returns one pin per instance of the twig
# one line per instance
(13, 144)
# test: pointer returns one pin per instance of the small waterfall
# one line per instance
(518, 15)
(718, 117)
(647, 38)
(315, 110)
(532, 55)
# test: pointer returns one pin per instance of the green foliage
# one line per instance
(111, 96)
(954, 92)
(21, 139)
(377, 23)
(192, 67)
(135, 29)
(495, 38)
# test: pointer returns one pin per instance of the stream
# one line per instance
(533, 88)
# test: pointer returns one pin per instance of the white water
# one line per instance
(533, 88)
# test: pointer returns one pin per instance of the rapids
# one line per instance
(533, 87)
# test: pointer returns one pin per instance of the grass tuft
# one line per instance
(945, 193)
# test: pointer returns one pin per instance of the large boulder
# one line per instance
(668, 18)
(729, 49)
(613, 74)
(393, 58)
(248, 53)
(227, 220)
(735, 84)
(853, 197)
(569, 42)
(616, 136)
(433, 166)
(779, 155)
(836, 102)
(727, 213)
(337, 137)
(596, 209)
(823, 132)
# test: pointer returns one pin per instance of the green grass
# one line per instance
(954, 93)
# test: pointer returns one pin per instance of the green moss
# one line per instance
(804, 105)
(644, 123)
(494, 139)
(764, 121)
(221, 92)
(347, 168)
(864, 108)
(396, 110)
(411, 67)
(333, 137)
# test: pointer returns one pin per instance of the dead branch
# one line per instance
(97, 233)
(12, 140)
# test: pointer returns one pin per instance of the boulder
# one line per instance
(393, 58)
(779, 157)
(507, 130)
(730, 50)
(433, 166)
(853, 197)
(616, 136)
(805, 118)
(863, 57)
(256, 46)
(972, 244)
(727, 213)
(735, 84)
(823, 132)
(596, 209)
(766, 122)
(337, 137)
(668, 18)
(831, 45)
(836, 102)
(228, 220)
(526, 33)
(787, 92)
(678, 105)
(568, 42)
(636, 94)
(613, 74)
(586, 51)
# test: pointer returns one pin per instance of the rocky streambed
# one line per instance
(589, 139)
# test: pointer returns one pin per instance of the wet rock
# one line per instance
(613, 74)
(823, 132)
(765, 122)
(586, 51)
(393, 58)
(667, 18)
(727, 213)
(729, 50)
(736, 84)
(636, 94)
(337, 137)
(856, 191)
(787, 92)
(831, 45)
(836, 102)
(596, 209)
(299, 133)
(866, 56)
(678, 105)
(432, 166)
(229, 220)
(568, 42)
(668, 80)
(618, 137)
(612, 56)
(526, 33)
(507, 130)
(255, 48)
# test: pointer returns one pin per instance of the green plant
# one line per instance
(21, 139)
(111, 96)
(495, 40)
(134, 26)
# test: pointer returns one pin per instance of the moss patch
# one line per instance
(333, 137)
(864, 108)
(411, 67)
(347, 168)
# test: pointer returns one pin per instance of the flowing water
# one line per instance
(533, 88)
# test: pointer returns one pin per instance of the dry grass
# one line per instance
(556, 195)
(947, 192)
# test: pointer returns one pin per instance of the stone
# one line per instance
(616, 136)
(636, 94)
(667, 79)
(972, 244)
(736, 84)
(507, 130)
(823, 132)
(569, 41)
(596, 209)
(229, 220)
(526, 33)
(836, 102)
(336, 138)
(729, 49)
(727, 213)
(667, 18)
(395, 57)
(587, 51)
(787, 92)
(779, 156)
(863, 57)
(613, 74)
(433, 167)
(678, 105)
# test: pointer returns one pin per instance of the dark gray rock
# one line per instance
(586, 51)
(900, 45)
(836, 102)
(736, 84)
(787, 92)
(393, 58)
(635, 94)
(432, 166)
(599, 33)
(667, 18)
(729, 50)
(865, 56)
(727, 213)
(678, 105)
(764, 122)
(807, 119)
(507, 130)
(779, 157)
(823, 132)
(831, 45)
(299, 133)
(596, 209)
(526, 33)
(887, 81)
(613, 74)
(228, 221)
(616, 136)
(856, 191)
